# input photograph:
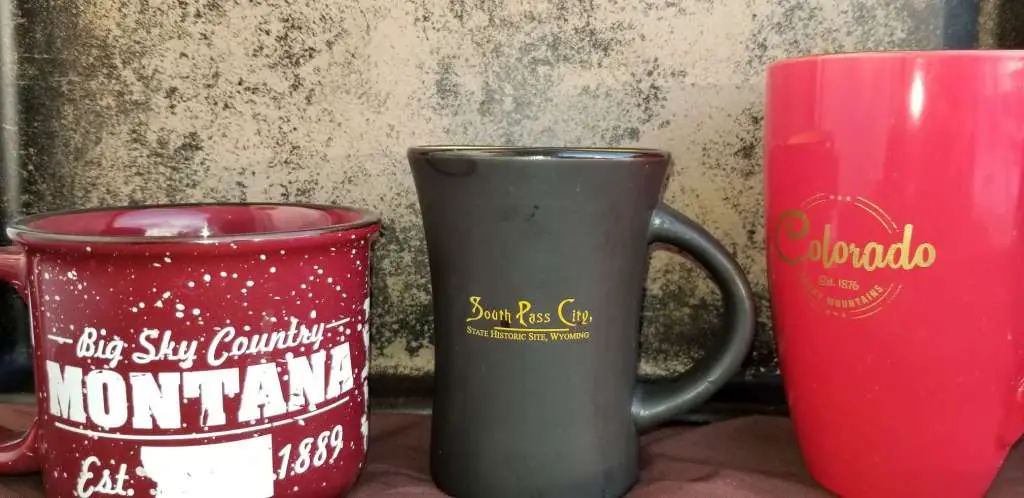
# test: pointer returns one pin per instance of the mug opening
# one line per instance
(898, 54)
(188, 223)
(538, 152)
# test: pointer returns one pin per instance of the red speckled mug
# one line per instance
(195, 350)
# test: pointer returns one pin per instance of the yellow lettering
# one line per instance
(802, 228)
(524, 306)
(924, 256)
(794, 225)
(872, 257)
(561, 314)
(479, 310)
(826, 254)
(840, 252)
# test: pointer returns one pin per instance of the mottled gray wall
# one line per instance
(137, 101)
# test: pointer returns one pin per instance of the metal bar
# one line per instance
(10, 143)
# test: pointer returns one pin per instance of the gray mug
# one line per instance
(538, 260)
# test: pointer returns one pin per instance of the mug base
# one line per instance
(613, 483)
(955, 483)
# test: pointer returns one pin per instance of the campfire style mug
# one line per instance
(538, 260)
(895, 251)
(195, 350)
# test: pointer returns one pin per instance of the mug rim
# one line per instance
(900, 54)
(19, 230)
(539, 152)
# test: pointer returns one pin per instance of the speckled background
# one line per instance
(128, 102)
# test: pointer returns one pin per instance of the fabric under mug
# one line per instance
(895, 250)
(195, 350)
(538, 259)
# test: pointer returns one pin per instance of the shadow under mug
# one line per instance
(538, 260)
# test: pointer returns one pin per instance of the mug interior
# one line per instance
(196, 222)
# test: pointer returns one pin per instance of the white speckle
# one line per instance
(320, 271)
(179, 314)
(246, 328)
(223, 273)
(46, 275)
(330, 280)
(263, 257)
(191, 283)
(312, 314)
(234, 275)
(273, 269)
(195, 311)
(159, 304)
(166, 259)
(207, 277)
(166, 295)
(73, 275)
(88, 249)
(135, 309)
(157, 265)
(282, 251)
(142, 305)
(249, 283)
(179, 307)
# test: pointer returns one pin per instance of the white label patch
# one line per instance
(239, 469)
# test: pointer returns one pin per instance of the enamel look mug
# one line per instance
(195, 350)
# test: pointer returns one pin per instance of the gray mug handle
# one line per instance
(656, 403)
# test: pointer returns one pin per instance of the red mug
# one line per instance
(894, 207)
(195, 350)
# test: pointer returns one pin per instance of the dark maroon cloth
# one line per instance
(754, 457)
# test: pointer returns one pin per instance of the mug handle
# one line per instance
(655, 403)
(20, 455)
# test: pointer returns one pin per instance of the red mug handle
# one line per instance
(19, 456)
